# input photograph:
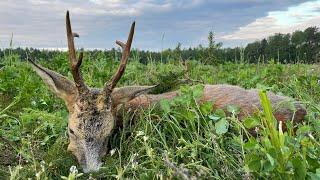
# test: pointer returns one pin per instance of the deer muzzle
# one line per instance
(92, 161)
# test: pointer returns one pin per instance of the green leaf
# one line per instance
(220, 112)
(185, 89)
(303, 130)
(233, 109)
(251, 123)
(197, 91)
(251, 144)
(312, 161)
(254, 162)
(267, 166)
(165, 105)
(214, 118)
(190, 115)
(315, 176)
(271, 160)
(206, 108)
(299, 166)
(222, 126)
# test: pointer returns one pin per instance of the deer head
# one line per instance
(92, 111)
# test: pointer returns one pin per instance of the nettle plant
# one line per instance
(94, 113)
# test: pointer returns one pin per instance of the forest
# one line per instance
(296, 47)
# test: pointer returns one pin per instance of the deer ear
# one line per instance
(58, 84)
(125, 94)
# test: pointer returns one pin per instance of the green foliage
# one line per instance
(282, 155)
(175, 138)
(182, 133)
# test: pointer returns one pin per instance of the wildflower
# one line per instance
(140, 133)
(33, 103)
(133, 160)
(38, 174)
(134, 164)
(145, 138)
(256, 129)
(135, 155)
(112, 152)
(150, 152)
(73, 170)
(73, 173)
(42, 165)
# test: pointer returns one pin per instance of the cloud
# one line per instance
(41, 23)
(126, 8)
(297, 17)
(116, 7)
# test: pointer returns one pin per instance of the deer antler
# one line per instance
(109, 86)
(75, 62)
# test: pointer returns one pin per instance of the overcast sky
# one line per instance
(41, 24)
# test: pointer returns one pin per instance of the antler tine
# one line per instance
(75, 62)
(124, 59)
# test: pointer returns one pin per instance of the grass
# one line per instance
(174, 139)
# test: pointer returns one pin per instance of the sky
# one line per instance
(159, 24)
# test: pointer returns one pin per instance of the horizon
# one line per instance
(160, 24)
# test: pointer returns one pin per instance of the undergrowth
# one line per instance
(174, 139)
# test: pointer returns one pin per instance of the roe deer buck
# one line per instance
(94, 113)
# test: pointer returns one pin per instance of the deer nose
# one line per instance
(92, 161)
(92, 167)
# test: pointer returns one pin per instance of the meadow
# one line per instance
(177, 139)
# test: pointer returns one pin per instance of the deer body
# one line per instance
(222, 95)
(94, 113)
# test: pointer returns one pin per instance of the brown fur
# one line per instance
(223, 95)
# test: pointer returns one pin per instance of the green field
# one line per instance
(170, 141)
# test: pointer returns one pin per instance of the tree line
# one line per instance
(297, 47)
